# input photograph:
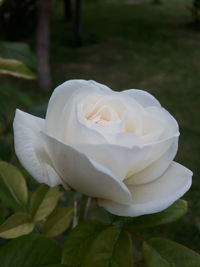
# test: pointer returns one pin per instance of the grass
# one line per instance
(144, 46)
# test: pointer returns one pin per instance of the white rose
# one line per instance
(115, 146)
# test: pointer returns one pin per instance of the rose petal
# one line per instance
(29, 148)
(155, 150)
(153, 127)
(116, 158)
(170, 124)
(71, 130)
(156, 169)
(143, 97)
(58, 100)
(83, 174)
(61, 96)
(125, 162)
(155, 196)
(99, 85)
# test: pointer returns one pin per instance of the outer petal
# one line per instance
(143, 97)
(128, 164)
(116, 158)
(60, 97)
(155, 196)
(156, 169)
(29, 148)
(84, 174)
(155, 151)
(171, 125)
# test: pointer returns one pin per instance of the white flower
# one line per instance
(115, 146)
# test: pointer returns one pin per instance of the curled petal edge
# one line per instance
(151, 205)
(29, 148)
(84, 174)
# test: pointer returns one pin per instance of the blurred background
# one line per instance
(147, 44)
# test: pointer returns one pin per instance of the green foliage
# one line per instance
(166, 253)
(29, 251)
(55, 265)
(18, 51)
(13, 187)
(112, 247)
(14, 193)
(17, 225)
(58, 221)
(93, 243)
(39, 110)
(9, 96)
(122, 251)
(5, 150)
(171, 214)
(15, 68)
(16, 59)
(43, 202)
(80, 240)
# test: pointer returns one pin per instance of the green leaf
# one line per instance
(123, 251)
(7, 198)
(166, 253)
(13, 184)
(43, 201)
(4, 213)
(58, 221)
(55, 265)
(171, 214)
(6, 151)
(18, 51)
(15, 68)
(112, 247)
(17, 225)
(1, 218)
(79, 241)
(30, 251)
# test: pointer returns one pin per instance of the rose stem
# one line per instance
(75, 216)
(85, 201)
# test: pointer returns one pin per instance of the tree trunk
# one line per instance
(77, 21)
(67, 9)
(42, 44)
